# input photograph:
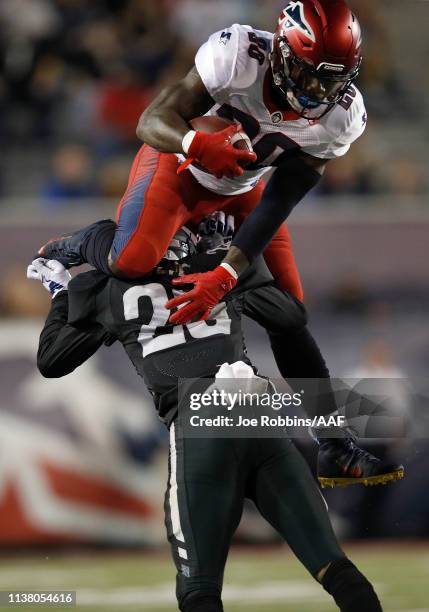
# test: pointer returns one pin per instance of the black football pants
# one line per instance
(208, 482)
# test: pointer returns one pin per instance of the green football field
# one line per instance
(256, 579)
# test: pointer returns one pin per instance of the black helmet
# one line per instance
(183, 243)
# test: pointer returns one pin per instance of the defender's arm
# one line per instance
(62, 348)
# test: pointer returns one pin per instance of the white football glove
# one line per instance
(52, 274)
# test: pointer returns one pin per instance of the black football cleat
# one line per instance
(62, 250)
(341, 463)
(67, 249)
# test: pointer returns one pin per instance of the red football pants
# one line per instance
(158, 202)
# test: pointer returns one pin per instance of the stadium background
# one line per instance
(82, 460)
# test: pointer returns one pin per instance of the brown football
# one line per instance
(210, 124)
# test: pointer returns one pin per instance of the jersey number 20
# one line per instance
(151, 338)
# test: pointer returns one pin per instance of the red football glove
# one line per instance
(216, 153)
(209, 289)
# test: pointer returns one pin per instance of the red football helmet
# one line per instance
(316, 54)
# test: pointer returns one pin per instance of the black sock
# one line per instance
(97, 243)
(298, 356)
(350, 589)
(201, 603)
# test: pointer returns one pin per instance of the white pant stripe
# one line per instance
(174, 505)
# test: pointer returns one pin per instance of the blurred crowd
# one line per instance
(75, 76)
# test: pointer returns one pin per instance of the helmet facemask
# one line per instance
(173, 264)
(310, 91)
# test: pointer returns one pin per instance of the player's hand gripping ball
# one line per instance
(222, 147)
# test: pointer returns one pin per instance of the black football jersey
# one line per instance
(133, 313)
(99, 309)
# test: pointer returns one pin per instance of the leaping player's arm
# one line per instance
(287, 187)
(292, 181)
(164, 124)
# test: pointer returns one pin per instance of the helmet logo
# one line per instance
(294, 18)
(331, 67)
(276, 117)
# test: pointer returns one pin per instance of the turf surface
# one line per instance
(259, 579)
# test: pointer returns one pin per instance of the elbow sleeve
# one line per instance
(285, 190)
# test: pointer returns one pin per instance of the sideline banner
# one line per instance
(78, 455)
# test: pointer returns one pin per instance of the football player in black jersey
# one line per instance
(341, 461)
(208, 478)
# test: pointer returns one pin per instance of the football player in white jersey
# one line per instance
(292, 94)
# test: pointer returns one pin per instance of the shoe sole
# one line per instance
(369, 481)
(66, 263)
(40, 251)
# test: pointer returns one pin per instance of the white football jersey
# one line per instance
(234, 66)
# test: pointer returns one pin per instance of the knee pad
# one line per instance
(349, 587)
(200, 602)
